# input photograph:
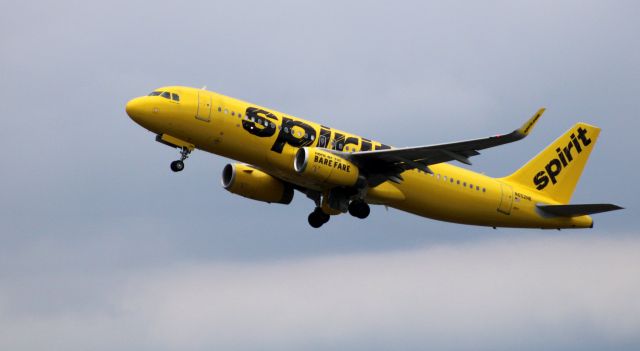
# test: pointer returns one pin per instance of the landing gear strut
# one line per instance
(317, 218)
(359, 209)
(178, 165)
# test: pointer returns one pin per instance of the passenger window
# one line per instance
(226, 112)
(155, 93)
(451, 180)
(484, 190)
(477, 188)
(445, 178)
(166, 95)
(471, 186)
(175, 97)
(233, 113)
(464, 184)
(219, 109)
(458, 181)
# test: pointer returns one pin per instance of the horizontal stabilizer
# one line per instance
(577, 210)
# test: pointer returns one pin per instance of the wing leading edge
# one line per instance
(382, 165)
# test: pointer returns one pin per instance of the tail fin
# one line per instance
(556, 170)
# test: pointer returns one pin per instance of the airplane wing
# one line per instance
(382, 165)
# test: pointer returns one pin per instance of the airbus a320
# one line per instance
(341, 172)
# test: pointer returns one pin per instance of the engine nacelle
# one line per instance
(255, 184)
(325, 167)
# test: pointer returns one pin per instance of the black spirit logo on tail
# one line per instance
(553, 169)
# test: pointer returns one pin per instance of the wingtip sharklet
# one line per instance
(527, 127)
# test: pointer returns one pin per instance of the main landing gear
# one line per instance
(357, 208)
(178, 165)
(317, 218)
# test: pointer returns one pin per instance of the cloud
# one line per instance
(565, 292)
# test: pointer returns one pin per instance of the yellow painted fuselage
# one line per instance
(214, 123)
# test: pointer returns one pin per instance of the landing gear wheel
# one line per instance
(325, 217)
(317, 218)
(359, 209)
(177, 166)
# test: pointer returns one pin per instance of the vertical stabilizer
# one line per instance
(556, 170)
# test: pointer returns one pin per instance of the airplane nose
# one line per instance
(134, 108)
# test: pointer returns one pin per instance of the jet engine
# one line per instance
(252, 183)
(325, 167)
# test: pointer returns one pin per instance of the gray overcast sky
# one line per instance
(104, 247)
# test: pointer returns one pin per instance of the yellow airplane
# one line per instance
(343, 172)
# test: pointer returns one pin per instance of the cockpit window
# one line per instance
(166, 95)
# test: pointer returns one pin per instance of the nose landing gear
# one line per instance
(178, 165)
